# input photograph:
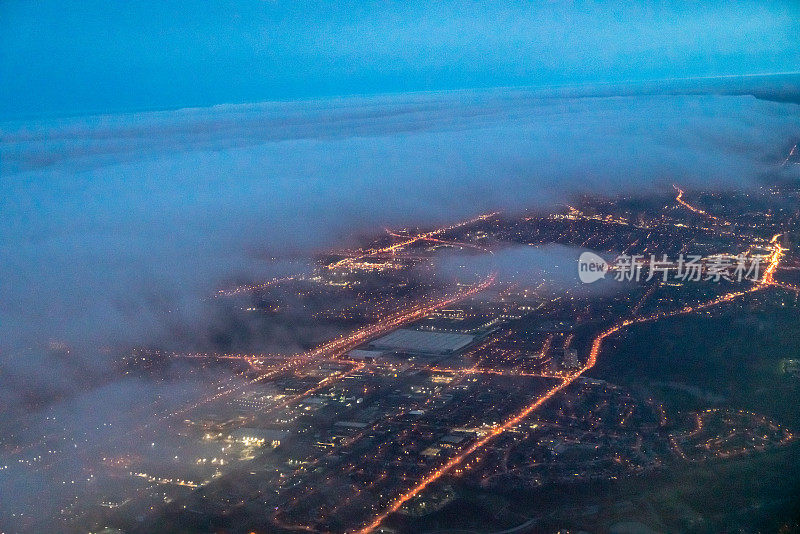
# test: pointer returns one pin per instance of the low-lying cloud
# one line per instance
(110, 224)
(552, 268)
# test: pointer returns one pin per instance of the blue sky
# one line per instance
(72, 57)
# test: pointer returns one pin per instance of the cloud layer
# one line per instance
(110, 222)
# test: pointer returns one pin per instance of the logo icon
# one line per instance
(591, 267)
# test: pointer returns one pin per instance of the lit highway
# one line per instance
(691, 208)
(407, 241)
(398, 502)
(341, 345)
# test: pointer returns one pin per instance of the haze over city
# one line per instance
(282, 266)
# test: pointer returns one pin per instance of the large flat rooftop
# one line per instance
(425, 342)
